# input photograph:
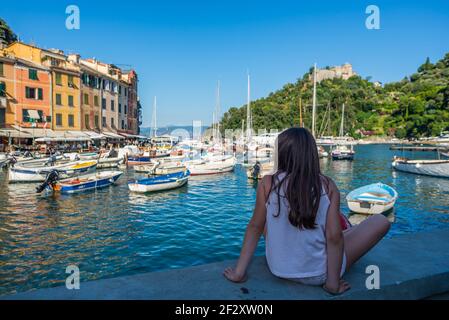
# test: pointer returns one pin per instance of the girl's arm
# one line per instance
(254, 230)
(335, 243)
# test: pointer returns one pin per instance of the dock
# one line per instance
(417, 271)
(418, 148)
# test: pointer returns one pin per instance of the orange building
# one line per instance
(6, 91)
(32, 99)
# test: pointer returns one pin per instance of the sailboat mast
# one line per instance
(342, 121)
(154, 120)
(301, 123)
(314, 100)
(218, 135)
(249, 122)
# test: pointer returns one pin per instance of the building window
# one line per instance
(33, 93)
(32, 74)
(2, 89)
(112, 122)
(126, 109)
(103, 103)
(58, 79)
(86, 98)
(120, 108)
(96, 101)
(96, 122)
(70, 100)
(71, 120)
(58, 99)
(119, 89)
(59, 119)
(86, 121)
(1, 68)
(70, 82)
(123, 124)
(112, 105)
(103, 121)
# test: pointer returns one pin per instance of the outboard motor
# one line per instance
(256, 171)
(50, 180)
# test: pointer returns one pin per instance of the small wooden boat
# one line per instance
(342, 152)
(375, 198)
(435, 168)
(109, 162)
(19, 173)
(157, 168)
(160, 183)
(81, 183)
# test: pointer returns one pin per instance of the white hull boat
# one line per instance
(203, 167)
(435, 168)
(160, 183)
(38, 174)
(375, 198)
(109, 162)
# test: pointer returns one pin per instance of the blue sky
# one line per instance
(180, 49)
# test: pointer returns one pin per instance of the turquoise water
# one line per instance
(111, 232)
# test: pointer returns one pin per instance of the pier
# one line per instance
(409, 267)
(418, 148)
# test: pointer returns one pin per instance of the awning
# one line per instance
(94, 135)
(33, 114)
(36, 132)
(13, 133)
(63, 139)
(132, 136)
(109, 134)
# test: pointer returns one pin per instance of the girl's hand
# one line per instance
(342, 287)
(234, 276)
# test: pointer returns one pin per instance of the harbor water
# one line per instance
(112, 232)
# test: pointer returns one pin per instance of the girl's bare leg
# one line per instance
(361, 238)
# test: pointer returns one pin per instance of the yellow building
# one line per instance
(65, 83)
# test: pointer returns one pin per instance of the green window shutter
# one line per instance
(32, 74)
(1, 68)
(40, 94)
(27, 92)
(2, 89)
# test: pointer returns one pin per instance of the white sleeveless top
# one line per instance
(292, 252)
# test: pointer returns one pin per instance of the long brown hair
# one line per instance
(297, 158)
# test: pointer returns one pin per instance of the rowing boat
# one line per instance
(160, 183)
(375, 198)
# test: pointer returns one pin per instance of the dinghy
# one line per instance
(37, 174)
(160, 183)
(375, 198)
(204, 167)
(79, 184)
(158, 168)
(435, 168)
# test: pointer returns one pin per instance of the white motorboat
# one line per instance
(19, 173)
(205, 167)
(435, 168)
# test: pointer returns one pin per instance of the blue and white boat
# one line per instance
(81, 183)
(375, 198)
(160, 183)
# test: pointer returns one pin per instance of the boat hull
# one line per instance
(101, 180)
(375, 198)
(25, 174)
(434, 168)
(160, 183)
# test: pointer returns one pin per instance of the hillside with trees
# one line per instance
(414, 107)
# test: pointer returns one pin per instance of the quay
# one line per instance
(413, 266)
(417, 148)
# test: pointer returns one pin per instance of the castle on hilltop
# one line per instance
(344, 72)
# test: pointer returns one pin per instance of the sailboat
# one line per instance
(322, 153)
(342, 151)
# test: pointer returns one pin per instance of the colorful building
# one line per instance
(7, 111)
(133, 112)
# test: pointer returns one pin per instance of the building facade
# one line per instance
(7, 111)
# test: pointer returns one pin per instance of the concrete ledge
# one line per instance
(411, 267)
